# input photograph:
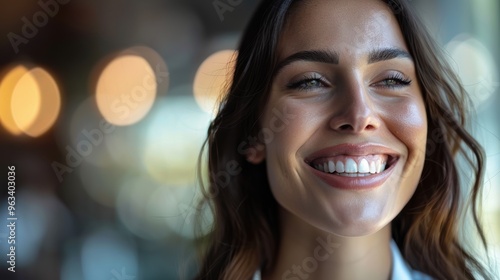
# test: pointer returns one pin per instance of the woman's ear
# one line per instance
(256, 154)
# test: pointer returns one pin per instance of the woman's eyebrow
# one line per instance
(311, 55)
(386, 54)
(332, 57)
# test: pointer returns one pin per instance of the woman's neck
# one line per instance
(306, 252)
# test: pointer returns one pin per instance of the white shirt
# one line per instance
(400, 269)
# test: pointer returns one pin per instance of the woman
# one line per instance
(333, 154)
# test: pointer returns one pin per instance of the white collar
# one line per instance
(400, 269)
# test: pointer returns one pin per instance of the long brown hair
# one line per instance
(245, 232)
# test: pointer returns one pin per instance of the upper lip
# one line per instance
(350, 149)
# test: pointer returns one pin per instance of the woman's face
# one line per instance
(345, 124)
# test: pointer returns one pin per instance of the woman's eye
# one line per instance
(395, 81)
(308, 83)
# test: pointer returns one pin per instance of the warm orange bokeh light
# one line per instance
(126, 89)
(45, 97)
(30, 101)
(156, 62)
(26, 101)
(7, 86)
(212, 79)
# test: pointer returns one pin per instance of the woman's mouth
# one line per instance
(354, 166)
(354, 172)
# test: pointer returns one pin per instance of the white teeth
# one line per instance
(351, 166)
(382, 167)
(331, 166)
(363, 166)
(339, 167)
(373, 168)
(354, 174)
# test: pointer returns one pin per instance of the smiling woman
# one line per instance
(346, 186)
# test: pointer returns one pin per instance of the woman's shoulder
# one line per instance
(401, 270)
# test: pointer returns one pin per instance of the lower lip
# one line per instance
(354, 183)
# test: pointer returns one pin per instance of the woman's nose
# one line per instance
(355, 110)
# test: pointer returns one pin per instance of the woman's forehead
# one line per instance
(349, 28)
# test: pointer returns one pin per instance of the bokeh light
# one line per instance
(173, 139)
(156, 62)
(178, 208)
(30, 101)
(213, 78)
(128, 84)
(42, 219)
(124, 94)
(49, 102)
(7, 85)
(132, 205)
(476, 67)
(71, 267)
(106, 254)
(26, 101)
(100, 184)
(85, 133)
(125, 146)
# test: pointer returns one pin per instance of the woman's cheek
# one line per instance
(410, 124)
(284, 123)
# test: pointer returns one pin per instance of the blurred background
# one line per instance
(104, 106)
